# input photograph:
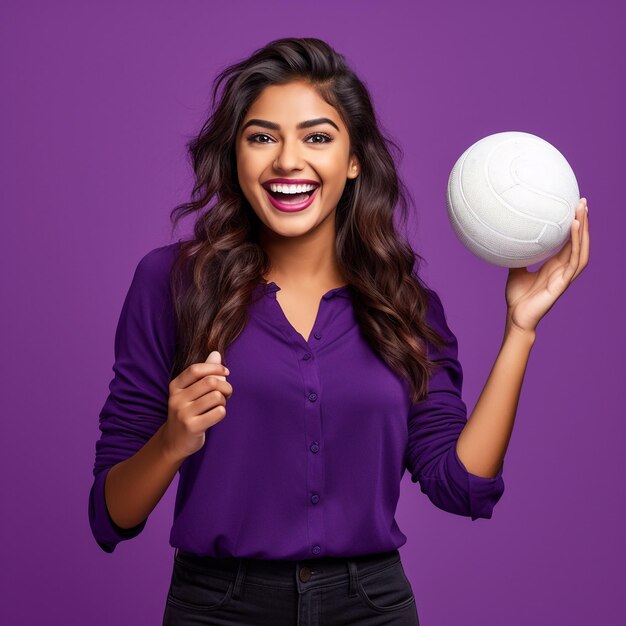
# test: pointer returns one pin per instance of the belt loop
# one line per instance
(241, 574)
(353, 578)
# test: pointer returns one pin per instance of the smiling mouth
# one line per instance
(291, 198)
(294, 202)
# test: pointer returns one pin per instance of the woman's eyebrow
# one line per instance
(274, 126)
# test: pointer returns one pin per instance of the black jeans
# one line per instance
(369, 590)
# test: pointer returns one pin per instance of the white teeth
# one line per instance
(291, 188)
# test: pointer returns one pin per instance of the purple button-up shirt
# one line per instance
(317, 435)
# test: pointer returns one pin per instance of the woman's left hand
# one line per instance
(530, 295)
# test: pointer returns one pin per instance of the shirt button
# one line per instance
(315, 498)
(307, 356)
(314, 447)
(317, 335)
(305, 574)
(316, 550)
(312, 397)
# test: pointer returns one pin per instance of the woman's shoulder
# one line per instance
(434, 306)
(435, 314)
(161, 258)
(155, 266)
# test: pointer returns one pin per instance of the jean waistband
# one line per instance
(285, 572)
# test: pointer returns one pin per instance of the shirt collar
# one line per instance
(340, 292)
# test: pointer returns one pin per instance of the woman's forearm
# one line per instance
(483, 441)
(134, 487)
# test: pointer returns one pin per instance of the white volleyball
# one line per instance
(511, 199)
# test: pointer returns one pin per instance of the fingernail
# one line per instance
(227, 370)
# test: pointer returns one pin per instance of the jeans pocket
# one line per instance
(386, 590)
(195, 589)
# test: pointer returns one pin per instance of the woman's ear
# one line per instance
(354, 167)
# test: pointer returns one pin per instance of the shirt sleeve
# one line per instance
(435, 424)
(136, 405)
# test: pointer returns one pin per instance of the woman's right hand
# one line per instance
(197, 401)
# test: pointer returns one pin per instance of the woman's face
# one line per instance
(273, 146)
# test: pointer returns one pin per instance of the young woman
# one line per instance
(342, 371)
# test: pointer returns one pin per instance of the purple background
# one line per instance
(98, 101)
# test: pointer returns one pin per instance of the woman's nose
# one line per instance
(289, 156)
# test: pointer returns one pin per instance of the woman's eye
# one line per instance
(252, 138)
(326, 138)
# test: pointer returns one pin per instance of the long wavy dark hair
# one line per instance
(215, 273)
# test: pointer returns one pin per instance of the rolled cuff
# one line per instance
(105, 531)
(483, 492)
